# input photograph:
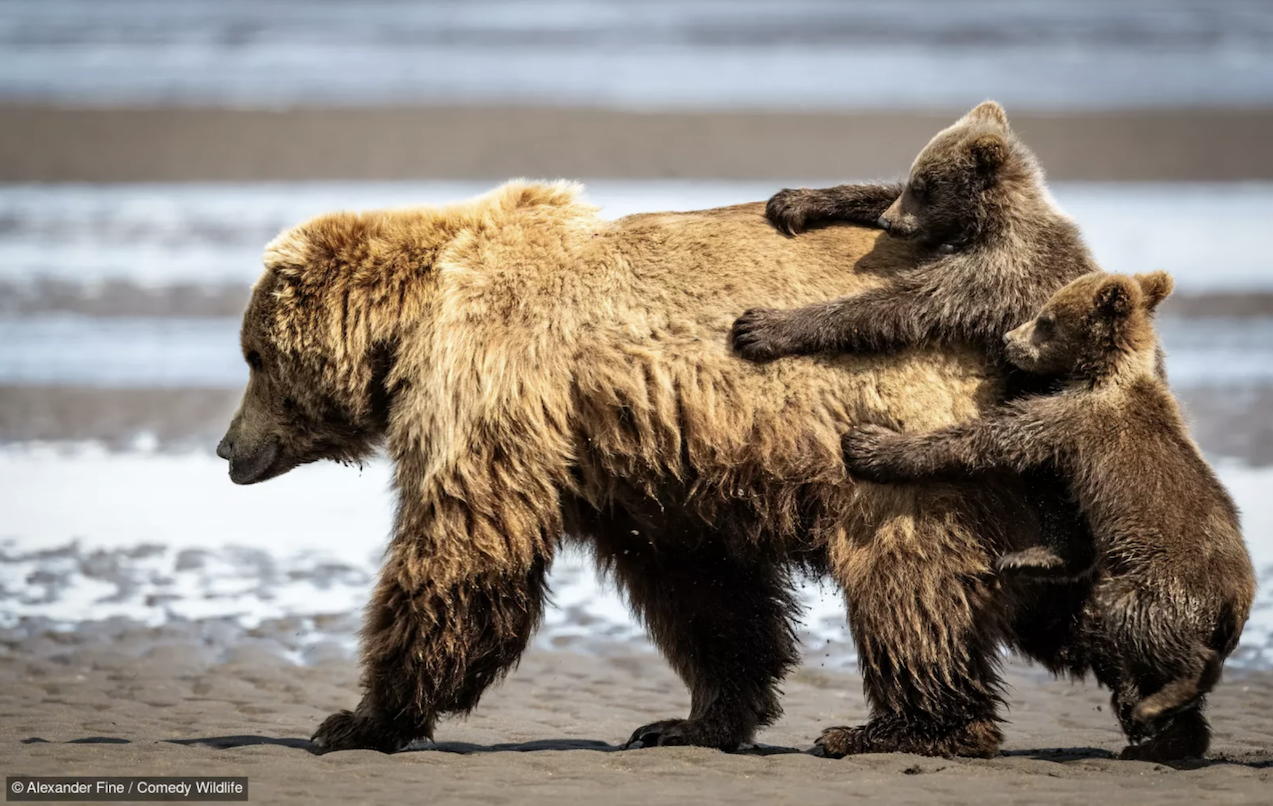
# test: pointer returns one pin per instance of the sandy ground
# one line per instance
(49, 143)
(124, 700)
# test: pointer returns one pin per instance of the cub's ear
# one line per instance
(1114, 298)
(989, 152)
(988, 112)
(1156, 287)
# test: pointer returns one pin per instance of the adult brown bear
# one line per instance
(540, 374)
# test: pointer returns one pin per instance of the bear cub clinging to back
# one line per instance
(991, 246)
(1174, 583)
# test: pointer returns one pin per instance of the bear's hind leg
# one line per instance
(924, 617)
(724, 624)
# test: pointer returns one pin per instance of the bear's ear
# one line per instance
(988, 112)
(1156, 287)
(989, 152)
(1114, 297)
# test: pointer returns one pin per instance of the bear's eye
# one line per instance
(1044, 325)
(254, 360)
(919, 189)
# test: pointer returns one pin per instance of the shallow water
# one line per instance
(623, 53)
(1212, 237)
(159, 352)
(161, 538)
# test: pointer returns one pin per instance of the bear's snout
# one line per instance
(249, 467)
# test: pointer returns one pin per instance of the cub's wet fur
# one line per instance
(1174, 582)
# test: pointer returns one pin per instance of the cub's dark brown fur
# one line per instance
(992, 247)
(1173, 583)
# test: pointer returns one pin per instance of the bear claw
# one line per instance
(839, 742)
(345, 730)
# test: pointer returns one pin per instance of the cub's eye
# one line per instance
(919, 189)
(254, 360)
(1044, 325)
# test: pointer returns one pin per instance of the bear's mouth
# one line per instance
(257, 466)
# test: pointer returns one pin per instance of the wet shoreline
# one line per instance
(56, 143)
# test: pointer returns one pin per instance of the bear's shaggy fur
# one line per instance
(539, 374)
(1174, 582)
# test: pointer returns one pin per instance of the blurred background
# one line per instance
(149, 149)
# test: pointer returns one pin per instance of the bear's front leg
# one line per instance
(432, 643)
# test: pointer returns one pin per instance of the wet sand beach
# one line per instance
(89, 144)
(166, 702)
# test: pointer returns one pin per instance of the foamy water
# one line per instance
(87, 535)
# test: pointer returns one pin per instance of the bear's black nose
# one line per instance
(885, 224)
(225, 448)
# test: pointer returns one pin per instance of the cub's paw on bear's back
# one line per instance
(765, 334)
(790, 210)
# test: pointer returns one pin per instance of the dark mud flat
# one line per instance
(178, 701)
(59, 144)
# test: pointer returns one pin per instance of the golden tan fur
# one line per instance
(550, 372)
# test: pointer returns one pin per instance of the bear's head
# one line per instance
(342, 318)
(963, 182)
(1093, 328)
(317, 383)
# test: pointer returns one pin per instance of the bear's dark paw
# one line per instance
(840, 742)
(763, 335)
(345, 730)
(1184, 736)
(682, 733)
(977, 738)
(1158, 753)
(790, 210)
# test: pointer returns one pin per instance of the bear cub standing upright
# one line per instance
(1174, 582)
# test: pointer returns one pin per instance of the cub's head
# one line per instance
(963, 181)
(1093, 327)
(317, 372)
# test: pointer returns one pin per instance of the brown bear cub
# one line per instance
(1173, 580)
(991, 247)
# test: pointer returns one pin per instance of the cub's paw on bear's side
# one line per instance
(866, 449)
(345, 730)
(681, 733)
(764, 334)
